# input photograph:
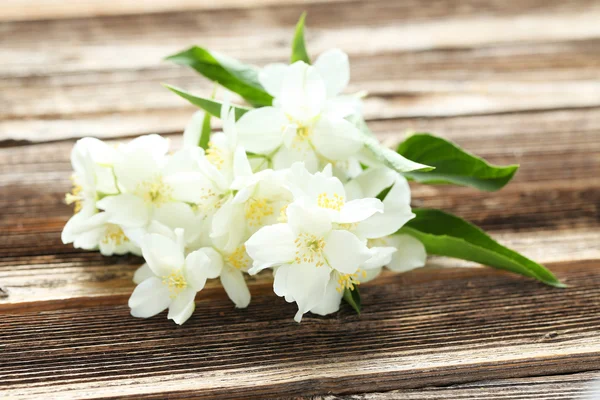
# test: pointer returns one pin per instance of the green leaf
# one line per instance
(228, 72)
(383, 154)
(453, 164)
(205, 134)
(212, 107)
(298, 45)
(352, 297)
(448, 235)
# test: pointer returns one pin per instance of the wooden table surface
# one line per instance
(513, 81)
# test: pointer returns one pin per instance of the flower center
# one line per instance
(115, 234)
(215, 155)
(75, 196)
(238, 259)
(335, 202)
(176, 282)
(309, 249)
(154, 191)
(349, 281)
(256, 209)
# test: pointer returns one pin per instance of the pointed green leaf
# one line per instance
(387, 156)
(448, 235)
(210, 106)
(298, 45)
(453, 164)
(205, 134)
(228, 72)
(352, 297)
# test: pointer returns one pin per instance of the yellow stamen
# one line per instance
(176, 283)
(115, 234)
(336, 202)
(215, 155)
(238, 258)
(350, 281)
(283, 214)
(309, 249)
(154, 191)
(75, 197)
(256, 209)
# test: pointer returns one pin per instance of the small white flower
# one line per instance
(154, 186)
(87, 229)
(260, 200)
(307, 250)
(327, 192)
(169, 279)
(228, 265)
(307, 122)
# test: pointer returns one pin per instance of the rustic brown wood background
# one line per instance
(515, 81)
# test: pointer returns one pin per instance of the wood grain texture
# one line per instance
(512, 81)
(450, 58)
(412, 336)
(572, 386)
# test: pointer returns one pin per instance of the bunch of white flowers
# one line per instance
(297, 185)
(281, 188)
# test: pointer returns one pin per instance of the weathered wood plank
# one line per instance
(103, 77)
(17, 10)
(420, 329)
(557, 387)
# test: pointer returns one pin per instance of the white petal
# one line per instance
(397, 212)
(374, 180)
(241, 166)
(345, 252)
(271, 78)
(271, 245)
(303, 92)
(77, 223)
(343, 106)
(135, 167)
(411, 253)
(162, 254)
(331, 300)
(369, 275)
(313, 220)
(280, 280)
(193, 130)
(380, 256)
(286, 157)
(235, 286)
(201, 265)
(260, 130)
(359, 210)
(149, 298)
(336, 138)
(142, 273)
(306, 285)
(175, 215)
(388, 223)
(155, 145)
(126, 210)
(334, 68)
(182, 306)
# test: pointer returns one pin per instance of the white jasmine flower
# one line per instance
(260, 200)
(169, 279)
(399, 253)
(307, 122)
(229, 266)
(87, 229)
(307, 250)
(327, 192)
(156, 187)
